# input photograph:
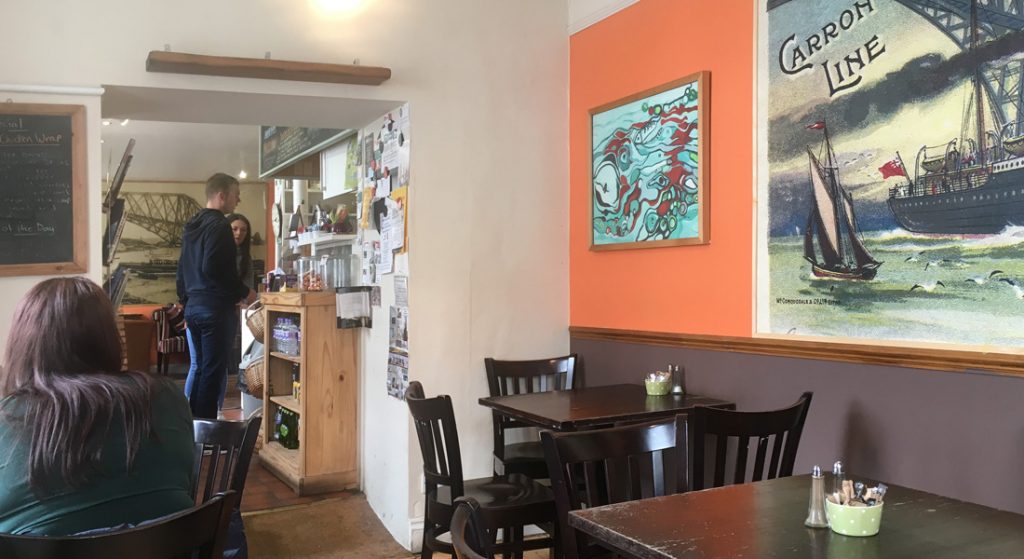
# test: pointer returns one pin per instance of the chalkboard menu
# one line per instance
(43, 227)
(281, 146)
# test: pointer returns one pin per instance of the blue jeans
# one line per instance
(211, 330)
(191, 378)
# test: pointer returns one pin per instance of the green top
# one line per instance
(159, 483)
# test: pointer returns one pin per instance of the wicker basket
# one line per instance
(255, 321)
(254, 378)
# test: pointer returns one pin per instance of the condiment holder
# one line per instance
(658, 383)
(863, 520)
(852, 508)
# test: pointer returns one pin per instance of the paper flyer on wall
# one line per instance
(398, 374)
(399, 329)
(401, 266)
(386, 254)
(401, 291)
(369, 262)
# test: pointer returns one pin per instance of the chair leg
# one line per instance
(517, 538)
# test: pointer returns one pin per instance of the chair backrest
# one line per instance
(603, 466)
(537, 375)
(524, 377)
(170, 321)
(781, 428)
(226, 465)
(202, 529)
(469, 536)
(434, 419)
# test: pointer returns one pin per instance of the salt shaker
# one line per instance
(816, 505)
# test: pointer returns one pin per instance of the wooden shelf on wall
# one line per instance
(263, 68)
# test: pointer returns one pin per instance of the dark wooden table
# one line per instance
(570, 410)
(766, 519)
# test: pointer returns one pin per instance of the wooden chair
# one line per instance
(780, 425)
(522, 377)
(223, 453)
(170, 334)
(604, 466)
(515, 499)
(201, 530)
(467, 530)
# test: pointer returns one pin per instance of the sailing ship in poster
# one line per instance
(832, 241)
(973, 184)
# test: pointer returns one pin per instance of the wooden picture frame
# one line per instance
(632, 206)
(44, 222)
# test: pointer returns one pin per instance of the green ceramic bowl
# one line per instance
(657, 387)
(853, 521)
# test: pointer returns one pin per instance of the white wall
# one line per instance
(487, 81)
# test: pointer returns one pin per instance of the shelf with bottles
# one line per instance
(311, 389)
(286, 428)
(286, 336)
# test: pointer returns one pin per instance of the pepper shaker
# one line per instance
(838, 477)
(678, 380)
(816, 505)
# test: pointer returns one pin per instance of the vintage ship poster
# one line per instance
(890, 172)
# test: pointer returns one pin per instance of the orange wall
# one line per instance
(697, 289)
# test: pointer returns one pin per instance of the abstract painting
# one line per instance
(649, 167)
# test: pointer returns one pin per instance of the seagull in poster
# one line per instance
(928, 286)
(982, 280)
(1016, 287)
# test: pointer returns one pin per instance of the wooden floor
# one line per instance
(262, 489)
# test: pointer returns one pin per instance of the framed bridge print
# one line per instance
(649, 167)
(890, 172)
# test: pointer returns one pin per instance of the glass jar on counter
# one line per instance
(310, 274)
(341, 271)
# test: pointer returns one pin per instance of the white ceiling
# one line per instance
(584, 13)
(180, 151)
(187, 135)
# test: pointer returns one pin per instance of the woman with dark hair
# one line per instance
(242, 232)
(83, 444)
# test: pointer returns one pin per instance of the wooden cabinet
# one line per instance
(327, 458)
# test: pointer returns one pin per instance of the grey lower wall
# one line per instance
(955, 434)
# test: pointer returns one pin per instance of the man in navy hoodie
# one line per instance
(209, 287)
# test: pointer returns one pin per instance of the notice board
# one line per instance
(43, 217)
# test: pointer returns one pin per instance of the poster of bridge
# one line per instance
(890, 171)
(155, 215)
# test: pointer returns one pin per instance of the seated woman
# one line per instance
(84, 445)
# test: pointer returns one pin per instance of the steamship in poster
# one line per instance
(891, 157)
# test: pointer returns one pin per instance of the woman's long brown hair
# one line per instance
(62, 370)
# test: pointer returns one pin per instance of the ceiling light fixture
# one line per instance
(124, 122)
(106, 123)
(242, 174)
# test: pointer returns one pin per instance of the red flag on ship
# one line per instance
(817, 125)
(892, 168)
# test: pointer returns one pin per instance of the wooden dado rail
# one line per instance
(918, 358)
